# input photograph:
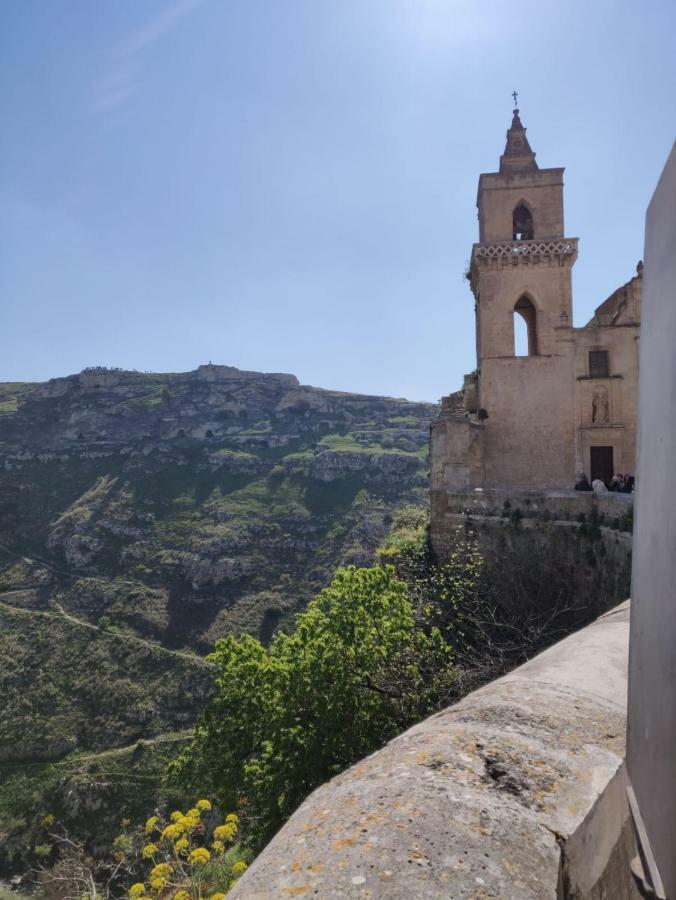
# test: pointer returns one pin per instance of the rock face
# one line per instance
(143, 516)
(176, 508)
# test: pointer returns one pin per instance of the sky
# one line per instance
(291, 186)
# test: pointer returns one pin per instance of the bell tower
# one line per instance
(520, 274)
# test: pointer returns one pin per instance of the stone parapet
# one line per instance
(515, 792)
(563, 505)
(525, 249)
(452, 509)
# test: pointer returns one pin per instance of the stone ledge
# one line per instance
(515, 792)
(562, 504)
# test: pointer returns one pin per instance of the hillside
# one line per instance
(142, 516)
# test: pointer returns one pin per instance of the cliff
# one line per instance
(142, 516)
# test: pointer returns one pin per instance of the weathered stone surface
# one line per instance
(537, 416)
(489, 798)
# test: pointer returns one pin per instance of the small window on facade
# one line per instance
(598, 364)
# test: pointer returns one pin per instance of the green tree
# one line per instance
(363, 663)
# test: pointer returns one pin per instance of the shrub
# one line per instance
(363, 663)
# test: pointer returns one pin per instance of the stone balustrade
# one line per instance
(525, 249)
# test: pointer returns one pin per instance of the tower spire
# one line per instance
(518, 156)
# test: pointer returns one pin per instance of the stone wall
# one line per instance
(456, 458)
(610, 514)
(542, 191)
(652, 694)
(515, 792)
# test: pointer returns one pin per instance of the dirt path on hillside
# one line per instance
(62, 614)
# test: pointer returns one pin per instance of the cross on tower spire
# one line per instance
(516, 99)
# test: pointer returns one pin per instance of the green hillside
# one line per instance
(144, 516)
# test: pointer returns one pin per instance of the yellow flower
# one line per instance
(181, 845)
(218, 847)
(171, 832)
(149, 850)
(232, 817)
(157, 884)
(161, 870)
(187, 823)
(225, 832)
(150, 824)
(176, 815)
(203, 805)
(182, 895)
(238, 868)
(199, 856)
(217, 897)
(137, 890)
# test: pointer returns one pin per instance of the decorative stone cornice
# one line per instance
(492, 254)
(526, 250)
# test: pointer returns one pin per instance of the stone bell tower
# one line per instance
(517, 429)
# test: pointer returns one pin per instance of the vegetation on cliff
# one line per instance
(143, 517)
(362, 664)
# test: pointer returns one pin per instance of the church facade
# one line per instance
(533, 418)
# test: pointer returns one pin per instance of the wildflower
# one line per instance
(187, 823)
(181, 845)
(199, 856)
(149, 850)
(176, 815)
(171, 832)
(203, 805)
(150, 824)
(217, 897)
(161, 870)
(157, 884)
(232, 817)
(218, 847)
(238, 868)
(225, 832)
(137, 890)
(182, 895)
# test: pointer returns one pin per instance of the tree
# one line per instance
(363, 664)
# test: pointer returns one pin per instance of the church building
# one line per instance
(537, 412)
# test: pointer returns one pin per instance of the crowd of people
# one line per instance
(619, 483)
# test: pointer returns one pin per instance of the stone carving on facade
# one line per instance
(600, 407)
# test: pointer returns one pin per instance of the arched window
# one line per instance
(522, 224)
(525, 328)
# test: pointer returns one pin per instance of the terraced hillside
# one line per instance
(142, 516)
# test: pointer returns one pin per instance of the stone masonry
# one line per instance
(534, 421)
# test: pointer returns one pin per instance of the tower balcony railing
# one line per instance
(525, 249)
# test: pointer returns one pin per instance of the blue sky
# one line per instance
(290, 186)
